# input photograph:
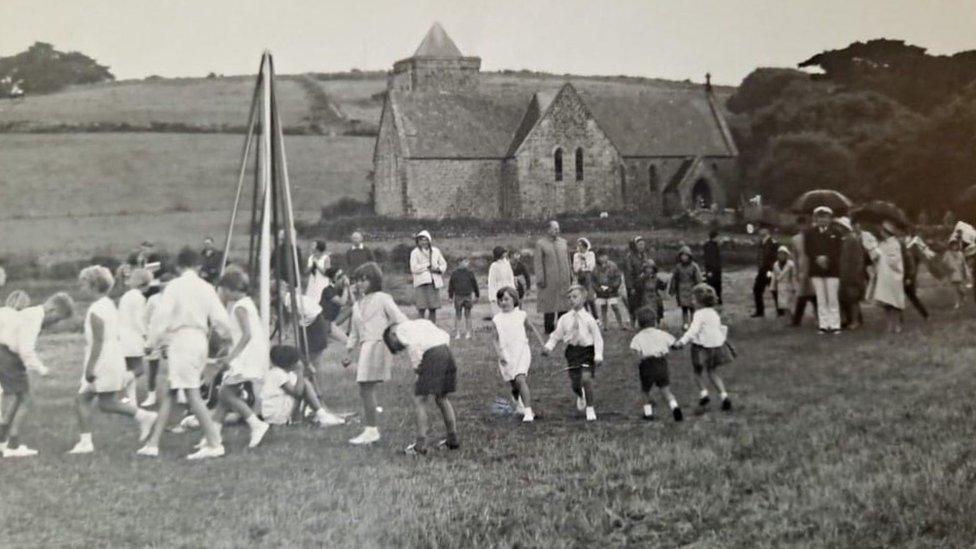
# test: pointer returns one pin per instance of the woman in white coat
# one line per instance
(889, 263)
(427, 265)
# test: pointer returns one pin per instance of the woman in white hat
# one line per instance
(427, 265)
(889, 290)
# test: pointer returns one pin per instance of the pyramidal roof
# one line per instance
(437, 44)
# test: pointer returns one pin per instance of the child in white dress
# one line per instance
(371, 315)
(784, 281)
(246, 364)
(511, 344)
(955, 262)
(709, 344)
(500, 275)
(104, 369)
(132, 328)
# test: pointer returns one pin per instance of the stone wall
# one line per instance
(441, 188)
(566, 125)
(419, 74)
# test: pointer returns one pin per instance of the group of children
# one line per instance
(213, 337)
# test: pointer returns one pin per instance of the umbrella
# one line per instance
(806, 202)
(879, 211)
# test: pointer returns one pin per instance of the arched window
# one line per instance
(557, 160)
(579, 164)
(652, 179)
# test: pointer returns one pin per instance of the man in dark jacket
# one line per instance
(357, 254)
(212, 258)
(713, 263)
(822, 245)
(765, 258)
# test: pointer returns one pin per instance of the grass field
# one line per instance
(857, 440)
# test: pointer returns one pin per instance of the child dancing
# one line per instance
(584, 349)
(511, 345)
(431, 358)
(709, 346)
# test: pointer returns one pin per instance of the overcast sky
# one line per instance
(673, 39)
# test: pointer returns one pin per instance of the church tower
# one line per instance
(437, 65)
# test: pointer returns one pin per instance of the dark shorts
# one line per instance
(710, 358)
(653, 372)
(318, 335)
(463, 303)
(13, 374)
(437, 373)
(580, 360)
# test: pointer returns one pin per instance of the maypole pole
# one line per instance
(264, 256)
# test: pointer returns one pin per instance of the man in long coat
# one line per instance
(553, 276)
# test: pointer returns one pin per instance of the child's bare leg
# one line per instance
(669, 396)
(228, 397)
(457, 320)
(587, 382)
(165, 409)
(199, 409)
(447, 412)
(9, 406)
(109, 403)
(718, 383)
(311, 397)
(151, 376)
(603, 313)
(367, 393)
(18, 419)
(420, 408)
(467, 320)
(616, 313)
(522, 388)
(83, 409)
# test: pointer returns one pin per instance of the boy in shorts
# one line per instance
(584, 349)
(431, 358)
(19, 330)
(462, 288)
(652, 346)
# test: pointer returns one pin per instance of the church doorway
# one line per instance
(701, 195)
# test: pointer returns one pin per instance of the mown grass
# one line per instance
(857, 440)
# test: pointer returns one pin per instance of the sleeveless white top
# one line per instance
(111, 360)
(254, 361)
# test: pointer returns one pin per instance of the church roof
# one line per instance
(663, 122)
(437, 44)
(641, 121)
(437, 125)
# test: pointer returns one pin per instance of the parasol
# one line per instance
(879, 211)
(808, 201)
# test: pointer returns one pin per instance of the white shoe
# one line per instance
(519, 407)
(368, 436)
(190, 422)
(149, 401)
(468, 336)
(124, 400)
(207, 452)
(327, 419)
(146, 425)
(379, 409)
(457, 335)
(257, 434)
(529, 416)
(590, 414)
(20, 451)
(82, 448)
(148, 451)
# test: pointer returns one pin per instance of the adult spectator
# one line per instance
(823, 244)
(427, 264)
(318, 262)
(713, 263)
(888, 255)
(914, 251)
(805, 293)
(523, 281)
(553, 276)
(853, 275)
(357, 254)
(212, 258)
(765, 259)
(148, 258)
(637, 255)
(282, 259)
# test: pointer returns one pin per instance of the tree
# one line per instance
(795, 163)
(763, 87)
(43, 69)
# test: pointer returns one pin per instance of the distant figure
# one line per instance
(427, 264)
(357, 254)
(284, 262)
(637, 256)
(784, 281)
(955, 263)
(148, 258)
(318, 262)
(912, 248)
(500, 275)
(712, 261)
(606, 281)
(584, 262)
(822, 245)
(685, 277)
(462, 289)
(523, 280)
(212, 258)
(853, 276)
(889, 287)
(805, 293)
(553, 275)
(765, 258)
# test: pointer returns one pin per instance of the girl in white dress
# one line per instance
(318, 263)
(104, 369)
(371, 315)
(889, 263)
(132, 328)
(511, 344)
(248, 361)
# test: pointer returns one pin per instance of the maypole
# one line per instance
(264, 255)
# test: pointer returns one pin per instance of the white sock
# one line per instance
(528, 410)
(672, 404)
(724, 395)
(703, 393)
(130, 390)
(648, 410)
(253, 421)
(85, 438)
(590, 409)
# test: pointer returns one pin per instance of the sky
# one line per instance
(673, 39)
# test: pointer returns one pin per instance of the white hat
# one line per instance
(823, 209)
(844, 222)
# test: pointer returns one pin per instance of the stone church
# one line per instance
(451, 146)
